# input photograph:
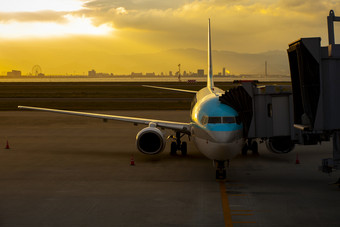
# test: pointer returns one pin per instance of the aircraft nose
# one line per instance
(225, 137)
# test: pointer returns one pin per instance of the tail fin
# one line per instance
(210, 81)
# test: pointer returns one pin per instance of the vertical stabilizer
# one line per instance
(210, 81)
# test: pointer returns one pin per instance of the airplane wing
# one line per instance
(176, 126)
(171, 89)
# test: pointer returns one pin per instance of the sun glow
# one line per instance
(73, 26)
(41, 5)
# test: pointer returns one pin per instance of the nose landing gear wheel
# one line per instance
(221, 173)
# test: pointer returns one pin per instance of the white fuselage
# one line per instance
(215, 129)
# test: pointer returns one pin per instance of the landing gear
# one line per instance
(220, 171)
(173, 148)
(184, 148)
(250, 145)
(178, 145)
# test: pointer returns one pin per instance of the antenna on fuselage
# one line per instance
(210, 82)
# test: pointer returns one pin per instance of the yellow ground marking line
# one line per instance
(226, 209)
(241, 210)
(225, 205)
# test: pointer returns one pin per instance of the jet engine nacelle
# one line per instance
(280, 145)
(150, 140)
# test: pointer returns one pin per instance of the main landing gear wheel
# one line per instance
(184, 148)
(178, 145)
(250, 145)
(221, 173)
(173, 148)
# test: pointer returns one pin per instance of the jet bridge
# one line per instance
(315, 75)
(266, 113)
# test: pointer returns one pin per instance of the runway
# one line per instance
(71, 171)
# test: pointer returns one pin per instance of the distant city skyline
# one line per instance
(190, 60)
(93, 73)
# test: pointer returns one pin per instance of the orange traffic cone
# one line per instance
(7, 145)
(132, 161)
(297, 161)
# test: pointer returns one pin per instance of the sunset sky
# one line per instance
(74, 36)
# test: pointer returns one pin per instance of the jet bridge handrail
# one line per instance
(330, 20)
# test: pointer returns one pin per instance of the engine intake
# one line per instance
(150, 141)
(280, 145)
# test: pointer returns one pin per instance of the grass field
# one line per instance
(100, 96)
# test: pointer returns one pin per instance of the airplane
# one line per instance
(215, 127)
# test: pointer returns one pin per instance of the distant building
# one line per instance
(14, 73)
(170, 73)
(223, 72)
(102, 74)
(92, 73)
(200, 72)
(136, 74)
(150, 74)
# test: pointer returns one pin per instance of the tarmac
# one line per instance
(65, 170)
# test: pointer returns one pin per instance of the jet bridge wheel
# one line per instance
(250, 145)
(254, 148)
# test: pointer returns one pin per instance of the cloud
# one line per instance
(41, 16)
(70, 26)
(41, 5)
(156, 15)
(238, 24)
(136, 4)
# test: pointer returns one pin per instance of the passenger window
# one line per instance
(214, 120)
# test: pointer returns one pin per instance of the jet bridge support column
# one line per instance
(330, 21)
(329, 164)
(336, 150)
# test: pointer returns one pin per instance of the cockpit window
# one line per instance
(204, 120)
(214, 120)
(228, 120)
(219, 120)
